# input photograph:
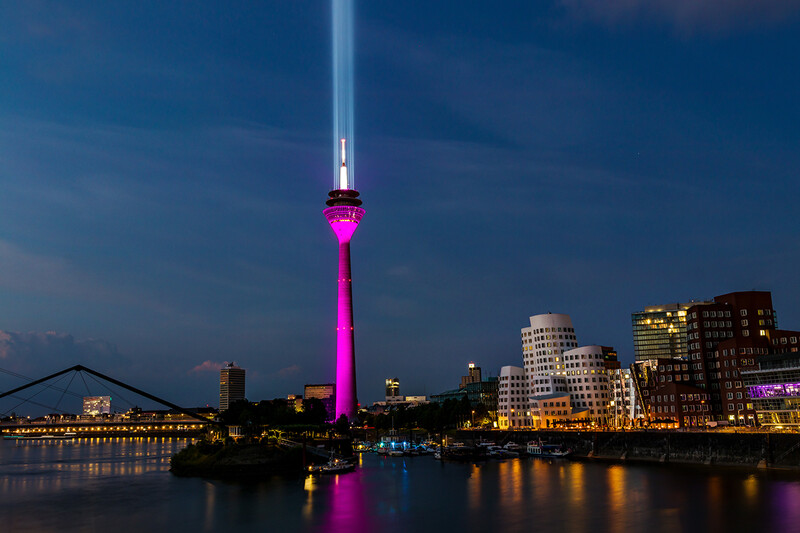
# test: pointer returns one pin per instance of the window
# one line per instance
(744, 323)
(743, 312)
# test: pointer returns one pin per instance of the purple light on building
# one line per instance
(778, 390)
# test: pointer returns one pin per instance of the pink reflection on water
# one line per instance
(348, 510)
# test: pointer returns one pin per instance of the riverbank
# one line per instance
(752, 450)
(236, 461)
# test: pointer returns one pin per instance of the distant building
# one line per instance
(393, 390)
(660, 331)
(296, 401)
(473, 375)
(416, 400)
(96, 405)
(478, 391)
(326, 392)
(231, 385)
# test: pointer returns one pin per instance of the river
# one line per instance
(122, 485)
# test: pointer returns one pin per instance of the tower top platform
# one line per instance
(340, 197)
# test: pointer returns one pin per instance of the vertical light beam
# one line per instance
(343, 90)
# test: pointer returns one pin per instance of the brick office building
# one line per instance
(724, 338)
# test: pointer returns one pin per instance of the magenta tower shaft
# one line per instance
(343, 215)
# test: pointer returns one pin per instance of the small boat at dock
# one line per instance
(538, 449)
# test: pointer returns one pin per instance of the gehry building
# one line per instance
(559, 382)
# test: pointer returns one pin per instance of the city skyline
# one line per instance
(568, 160)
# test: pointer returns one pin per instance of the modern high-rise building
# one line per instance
(393, 390)
(96, 405)
(325, 392)
(231, 385)
(660, 331)
(727, 339)
(473, 375)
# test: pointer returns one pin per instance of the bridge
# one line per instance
(183, 423)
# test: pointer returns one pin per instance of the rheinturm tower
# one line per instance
(343, 214)
(344, 211)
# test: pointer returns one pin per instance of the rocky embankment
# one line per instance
(236, 461)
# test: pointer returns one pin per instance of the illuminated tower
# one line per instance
(343, 215)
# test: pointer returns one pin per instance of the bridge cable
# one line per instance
(65, 390)
(49, 407)
(33, 396)
(84, 383)
(17, 375)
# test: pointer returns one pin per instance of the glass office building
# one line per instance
(660, 331)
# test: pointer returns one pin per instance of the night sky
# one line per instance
(164, 166)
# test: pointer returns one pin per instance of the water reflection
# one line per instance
(122, 481)
(347, 510)
(617, 497)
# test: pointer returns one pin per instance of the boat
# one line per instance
(459, 452)
(538, 449)
(498, 452)
(37, 437)
(333, 466)
(395, 453)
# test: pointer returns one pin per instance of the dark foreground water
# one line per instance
(121, 485)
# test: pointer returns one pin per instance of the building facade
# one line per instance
(624, 407)
(231, 385)
(512, 399)
(660, 331)
(393, 390)
(774, 389)
(96, 405)
(473, 375)
(555, 367)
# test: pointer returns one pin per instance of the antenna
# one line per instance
(343, 169)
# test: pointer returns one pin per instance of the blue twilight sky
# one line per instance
(164, 166)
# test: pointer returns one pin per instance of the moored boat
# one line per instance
(538, 449)
(333, 466)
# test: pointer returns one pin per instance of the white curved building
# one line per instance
(587, 380)
(556, 369)
(543, 344)
(512, 398)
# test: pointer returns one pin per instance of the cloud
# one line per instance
(37, 351)
(688, 16)
(289, 371)
(206, 366)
